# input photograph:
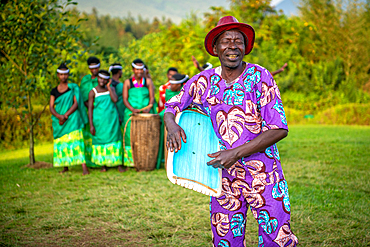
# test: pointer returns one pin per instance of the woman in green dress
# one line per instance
(116, 70)
(104, 125)
(177, 81)
(68, 120)
(88, 82)
(138, 96)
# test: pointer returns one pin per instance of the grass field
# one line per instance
(327, 168)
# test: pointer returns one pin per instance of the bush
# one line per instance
(351, 114)
(14, 132)
(347, 114)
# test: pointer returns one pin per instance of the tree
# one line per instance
(33, 36)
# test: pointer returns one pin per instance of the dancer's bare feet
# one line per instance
(85, 170)
(122, 168)
(103, 169)
(64, 170)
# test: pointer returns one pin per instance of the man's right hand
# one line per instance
(92, 130)
(174, 133)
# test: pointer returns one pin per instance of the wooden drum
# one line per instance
(145, 134)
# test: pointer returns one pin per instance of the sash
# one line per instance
(188, 167)
(86, 85)
(120, 106)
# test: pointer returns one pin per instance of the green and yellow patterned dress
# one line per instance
(86, 85)
(69, 148)
(107, 141)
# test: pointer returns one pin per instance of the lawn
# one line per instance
(327, 168)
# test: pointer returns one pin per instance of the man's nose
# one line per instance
(232, 45)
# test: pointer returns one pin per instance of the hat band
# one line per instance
(181, 81)
(94, 66)
(137, 66)
(114, 67)
(104, 76)
(62, 71)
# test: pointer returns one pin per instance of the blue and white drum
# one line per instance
(188, 167)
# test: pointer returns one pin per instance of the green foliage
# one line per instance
(15, 132)
(34, 34)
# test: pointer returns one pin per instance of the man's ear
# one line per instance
(214, 49)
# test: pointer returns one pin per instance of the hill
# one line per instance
(173, 9)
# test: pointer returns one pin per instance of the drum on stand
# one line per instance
(145, 134)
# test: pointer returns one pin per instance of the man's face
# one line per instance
(102, 82)
(63, 77)
(94, 71)
(175, 87)
(119, 74)
(170, 74)
(139, 73)
(230, 48)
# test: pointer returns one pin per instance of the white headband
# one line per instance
(114, 67)
(209, 66)
(94, 66)
(62, 71)
(178, 82)
(104, 76)
(137, 66)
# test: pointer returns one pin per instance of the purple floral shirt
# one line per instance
(239, 111)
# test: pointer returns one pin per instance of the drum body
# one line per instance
(145, 134)
(188, 167)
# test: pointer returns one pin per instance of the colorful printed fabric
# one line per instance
(88, 146)
(128, 160)
(109, 155)
(240, 111)
(162, 96)
(69, 150)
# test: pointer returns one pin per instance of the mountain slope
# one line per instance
(174, 9)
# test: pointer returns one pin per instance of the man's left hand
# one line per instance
(146, 110)
(223, 159)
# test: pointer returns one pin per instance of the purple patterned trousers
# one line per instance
(267, 195)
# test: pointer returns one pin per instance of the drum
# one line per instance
(188, 167)
(145, 134)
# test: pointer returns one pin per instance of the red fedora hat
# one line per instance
(227, 23)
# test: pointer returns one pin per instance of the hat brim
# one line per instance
(245, 29)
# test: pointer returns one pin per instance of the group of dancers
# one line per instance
(91, 122)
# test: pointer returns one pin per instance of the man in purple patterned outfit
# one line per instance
(244, 104)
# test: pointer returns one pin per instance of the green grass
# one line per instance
(327, 168)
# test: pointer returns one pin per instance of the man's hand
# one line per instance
(109, 83)
(195, 62)
(62, 119)
(92, 130)
(174, 135)
(223, 159)
(135, 111)
(147, 110)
